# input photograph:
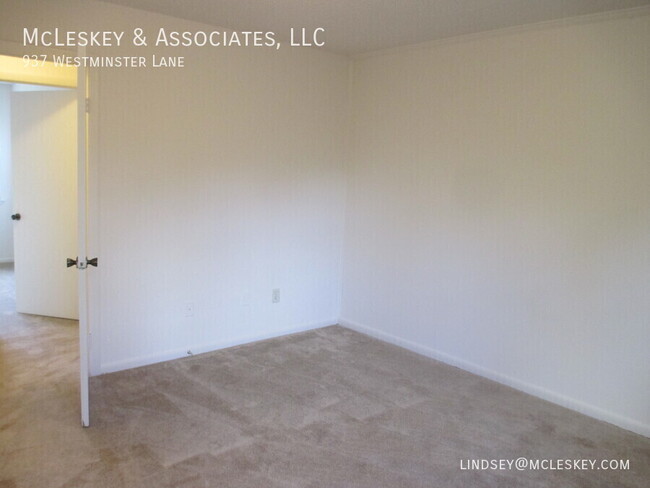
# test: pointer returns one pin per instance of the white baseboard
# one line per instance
(518, 384)
(136, 362)
(6, 260)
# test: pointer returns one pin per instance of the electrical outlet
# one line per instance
(275, 296)
(189, 309)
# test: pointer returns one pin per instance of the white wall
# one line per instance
(499, 209)
(215, 184)
(6, 203)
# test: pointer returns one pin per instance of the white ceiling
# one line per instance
(358, 26)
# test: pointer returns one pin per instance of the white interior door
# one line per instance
(44, 158)
(82, 212)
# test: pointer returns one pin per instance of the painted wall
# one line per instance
(216, 184)
(6, 203)
(499, 209)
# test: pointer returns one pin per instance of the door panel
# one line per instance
(44, 157)
(82, 210)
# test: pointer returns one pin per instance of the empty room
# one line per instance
(291, 243)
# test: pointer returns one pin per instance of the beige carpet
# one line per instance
(326, 408)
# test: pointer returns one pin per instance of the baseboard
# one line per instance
(6, 260)
(112, 367)
(538, 391)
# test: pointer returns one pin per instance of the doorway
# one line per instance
(48, 153)
(43, 164)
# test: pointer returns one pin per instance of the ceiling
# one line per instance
(358, 26)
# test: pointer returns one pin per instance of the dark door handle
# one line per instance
(75, 262)
(15, 216)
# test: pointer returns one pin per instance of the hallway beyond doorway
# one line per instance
(37, 353)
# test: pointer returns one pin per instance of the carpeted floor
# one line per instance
(326, 408)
